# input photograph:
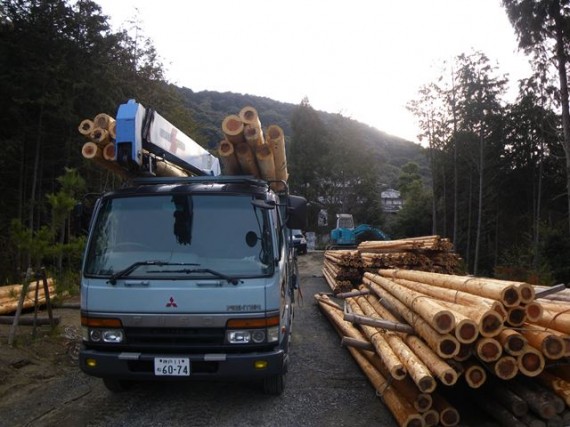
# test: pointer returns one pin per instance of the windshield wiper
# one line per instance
(229, 279)
(125, 272)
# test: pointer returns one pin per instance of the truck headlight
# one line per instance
(253, 331)
(106, 330)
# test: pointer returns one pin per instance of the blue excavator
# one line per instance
(346, 235)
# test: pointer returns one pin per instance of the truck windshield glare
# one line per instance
(200, 230)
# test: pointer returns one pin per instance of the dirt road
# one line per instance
(41, 385)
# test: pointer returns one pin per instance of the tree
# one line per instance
(543, 29)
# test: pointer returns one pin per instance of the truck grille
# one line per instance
(175, 337)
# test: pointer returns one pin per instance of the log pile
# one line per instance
(509, 349)
(10, 294)
(247, 150)
(345, 267)
(427, 253)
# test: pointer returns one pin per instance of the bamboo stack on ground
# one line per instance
(427, 253)
(431, 302)
(407, 404)
(10, 294)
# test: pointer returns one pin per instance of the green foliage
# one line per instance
(415, 217)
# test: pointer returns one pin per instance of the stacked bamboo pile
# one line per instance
(100, 148)
(427, 253)
(344, 268)
(10, 294)
(495, 334)
(247, 150)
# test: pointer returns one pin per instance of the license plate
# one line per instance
(172, 366)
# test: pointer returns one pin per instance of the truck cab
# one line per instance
(190, 278)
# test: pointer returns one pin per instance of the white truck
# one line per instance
(187, 277)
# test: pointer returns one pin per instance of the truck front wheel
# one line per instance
(274, 385)
(116, 385)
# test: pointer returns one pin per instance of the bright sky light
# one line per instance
(365, 59)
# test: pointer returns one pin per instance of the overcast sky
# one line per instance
(365, 59)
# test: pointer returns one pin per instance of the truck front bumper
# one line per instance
(140, 366)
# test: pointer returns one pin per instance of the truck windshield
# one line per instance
(225, 234)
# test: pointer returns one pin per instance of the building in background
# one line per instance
(391, 201)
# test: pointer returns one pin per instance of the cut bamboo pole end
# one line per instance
(530, 361)
(512, 341)
(475, 374)
(448, 415)
(232, 128)
(227, 155)
(103, 121)
(86, 127)
(488, 349)
(109, 151)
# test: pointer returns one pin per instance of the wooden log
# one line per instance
(14, 290)
(249, 116)
(266, 162)
(232, 128)
(246, 159)
(276, 141)
(448, 415)
(381, 346)
(495, 410)
(555, 384)
(475, 374)
(488, 349)
(431, 418)
(399, 404)
(112, 130)
(561, 371)
(464, 353)
(486, 321)
(91, 150)
(253, 136)
(507, 293)
(538, 402)
(109, 152)
(512, 341)
(497, 390)
(100, 136)
(530, 361)
(103, 121)
(417, 370)
(531, 420)
(504, 368)
(446, 374)
(545, 341)
(406, 387)
(533, 311)
(445, 345)
(228, 159)
(557, 320)
(516, 316)
(402, 410)
(440, 318)
(477, 304)
(441, 369)
(86, 127)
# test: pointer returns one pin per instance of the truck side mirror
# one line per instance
(296, 212)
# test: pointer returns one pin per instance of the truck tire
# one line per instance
(274, 384)
(117, 386)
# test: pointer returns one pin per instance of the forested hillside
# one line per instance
(209, 109)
